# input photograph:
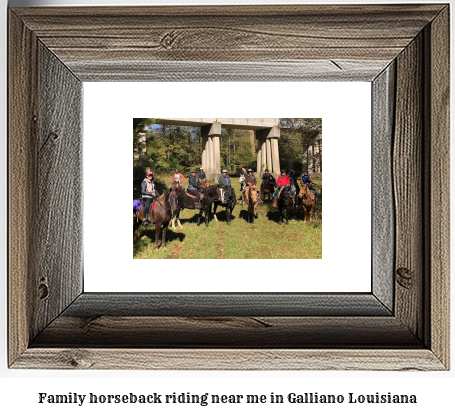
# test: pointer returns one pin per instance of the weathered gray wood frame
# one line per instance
(403, 50)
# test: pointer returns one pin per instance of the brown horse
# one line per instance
(308, 201)
(268, 187)
(161, 215)
(252, 201)
(205, 183)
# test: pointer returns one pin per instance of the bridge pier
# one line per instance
(211, 158)
(268, 156)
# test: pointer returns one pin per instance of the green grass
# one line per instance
(263, 240)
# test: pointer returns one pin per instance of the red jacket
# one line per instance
(283, 181)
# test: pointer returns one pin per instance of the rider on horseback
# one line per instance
(282, 181)
(265, 176)
(177, 177)
(149, 194)
(250, 180)
(308, 180)
(201, 175)
(224, 182)
(193, 186)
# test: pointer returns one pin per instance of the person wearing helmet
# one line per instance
(282, 181)
(194, 186)
(308, 180)
(149, 194)
(265, 176)
(224, 182)
(250, 180)
(201, 175)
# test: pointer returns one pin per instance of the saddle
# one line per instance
(190, 195)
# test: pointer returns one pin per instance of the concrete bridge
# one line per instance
(267, 132)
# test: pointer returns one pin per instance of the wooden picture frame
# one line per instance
(403, 324)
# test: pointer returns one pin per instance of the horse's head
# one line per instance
(304, 191)
(173, 200)
(205, 183)
(253, 194)
(177, 187)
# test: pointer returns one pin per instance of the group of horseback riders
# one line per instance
(247, 178)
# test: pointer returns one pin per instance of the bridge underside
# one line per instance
(267, 132)
(231, 123)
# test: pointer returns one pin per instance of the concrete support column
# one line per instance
(263, 155)
(204, 152)
(269, 155)
(268, 150)
(259, 162)
(275, 156)
(211, 157)
(216, 155)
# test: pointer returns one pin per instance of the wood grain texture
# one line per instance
(22, 94)
(168, 71)
(215, 305)
(407, 182)
(437, 153)
(53, 49)
(235, 359)
(383, 215)
(57, 229)
(226, 34)
(256, 332)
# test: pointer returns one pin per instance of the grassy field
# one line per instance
(263, 240)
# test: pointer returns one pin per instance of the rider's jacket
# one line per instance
(283, 180)
(192, 183)
(224, 181)
(307, 180)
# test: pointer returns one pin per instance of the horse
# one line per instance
(161, 215)
(284, 202)
(205, 183)
(229, 201)
(268, 187)
(251, 198)
(181, 200)
(308, 201)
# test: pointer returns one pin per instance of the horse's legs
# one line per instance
(157, 234)
(214, 211)
(281, 216)
(199, 217)
(178, 220)
(228, 215)
(207, 211)
(163, 239)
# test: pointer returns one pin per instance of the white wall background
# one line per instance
(19, 389)
(108, 262)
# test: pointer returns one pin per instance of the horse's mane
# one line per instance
(163, 197)
(211, 188)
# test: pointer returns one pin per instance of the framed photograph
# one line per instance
(402, 323)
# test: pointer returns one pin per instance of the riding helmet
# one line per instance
(283, 171)
(192, 171)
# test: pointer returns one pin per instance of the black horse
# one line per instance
(181, 200)
(228, 201)
(284, 202)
